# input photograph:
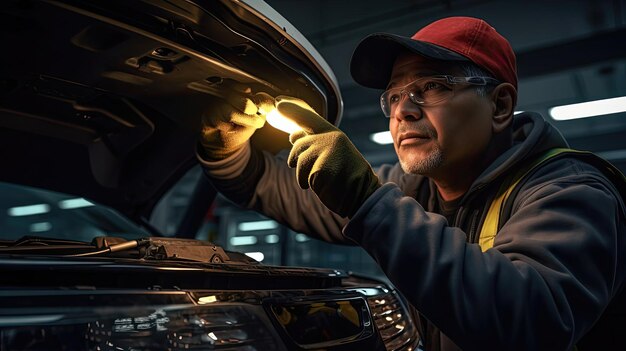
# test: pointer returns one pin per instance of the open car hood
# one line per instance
(103, 98)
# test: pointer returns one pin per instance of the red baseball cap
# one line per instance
(448, 39)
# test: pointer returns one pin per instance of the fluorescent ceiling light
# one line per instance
(74, 203)
(257, 225)
(302, 238)
(272, 239)
(589, 109)
(382, 138)
(517, 112)
(259, 256)
(243, 240)
(40, 227)
(28, 210)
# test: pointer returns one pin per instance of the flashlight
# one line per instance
(281, 122)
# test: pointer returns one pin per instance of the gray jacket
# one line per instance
(556, 268)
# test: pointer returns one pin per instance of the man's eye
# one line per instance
(394, 98)
(432, 85)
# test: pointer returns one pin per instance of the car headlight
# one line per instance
(314, 323)
(393, 322)
(347, 318)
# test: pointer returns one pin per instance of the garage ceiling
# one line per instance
(568, 52)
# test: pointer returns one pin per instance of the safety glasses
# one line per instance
(429, 91)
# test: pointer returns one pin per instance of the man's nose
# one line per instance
(407, 109)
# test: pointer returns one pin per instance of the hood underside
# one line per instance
(103, 99)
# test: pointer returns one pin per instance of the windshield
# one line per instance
(35, 212)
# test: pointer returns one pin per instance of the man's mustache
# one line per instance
(416, 127)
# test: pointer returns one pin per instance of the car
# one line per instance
(100, 107)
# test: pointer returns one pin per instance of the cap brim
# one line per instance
(373, 59)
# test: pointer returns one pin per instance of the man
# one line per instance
(549, 275)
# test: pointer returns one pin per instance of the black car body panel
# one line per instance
(105, 304)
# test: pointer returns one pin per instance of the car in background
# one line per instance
(100, 105)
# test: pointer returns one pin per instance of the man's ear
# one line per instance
(504, 98)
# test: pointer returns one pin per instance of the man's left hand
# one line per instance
(326, 160)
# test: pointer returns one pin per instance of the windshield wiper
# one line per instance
(66, 248)
(160, 249)
(149, 248)
(128, 245)
(40, 241)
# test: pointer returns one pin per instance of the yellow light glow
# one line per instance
(279, 121)
(207, 299)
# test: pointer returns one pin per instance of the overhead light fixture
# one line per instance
(272, 239)
(28, 210)
(589, 109)
(257, 225)
(302, 238)
(243, 240)
(382, 138)
(74, 203)
(258, 256)
(40, 227)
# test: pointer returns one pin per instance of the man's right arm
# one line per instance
(252, 178)
(261, 181)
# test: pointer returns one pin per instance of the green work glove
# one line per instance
(228, 126)
(326, 160)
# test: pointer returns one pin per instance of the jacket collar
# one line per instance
(532, 135)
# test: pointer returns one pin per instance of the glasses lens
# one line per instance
(423, 92)
(389, 99)
(430, 91)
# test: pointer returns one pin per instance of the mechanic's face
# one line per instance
(448, 137)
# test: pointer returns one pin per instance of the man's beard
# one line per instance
(426, 165)
(423, 166)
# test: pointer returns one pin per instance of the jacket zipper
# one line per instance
(474, 227)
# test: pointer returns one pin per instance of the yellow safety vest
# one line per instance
(491, 225)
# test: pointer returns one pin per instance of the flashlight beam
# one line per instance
(281, 122)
